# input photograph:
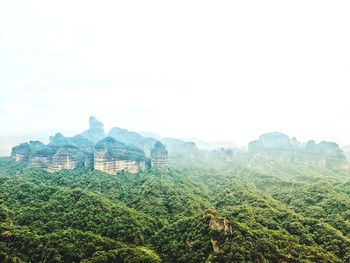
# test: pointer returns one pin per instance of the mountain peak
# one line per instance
(95, 124)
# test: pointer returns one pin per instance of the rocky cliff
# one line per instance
(93, 150)
(111, 156)
(23, 152)
(159, 155)
(50, 157)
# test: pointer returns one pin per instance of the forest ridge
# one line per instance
(279, 200)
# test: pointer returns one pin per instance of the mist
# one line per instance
(223, 72)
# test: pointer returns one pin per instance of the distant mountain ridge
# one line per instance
(121, 149)
(280, 147)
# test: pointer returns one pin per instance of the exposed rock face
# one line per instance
(215, 245)
(42, 162)
(67, 158)
(219, 225)
(96, 131)
(6, 234)
(72, 152)
(108, 154)
(22, 152)
(60, 154)
(103, 163)
(159, 155)
(280, 148)
(111, 156)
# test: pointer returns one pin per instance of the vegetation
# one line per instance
(198, 211)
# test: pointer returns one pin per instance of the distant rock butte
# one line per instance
(81, 151)
(279, 147)
(95, 132)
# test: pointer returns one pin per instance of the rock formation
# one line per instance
(95, 132)
(178, 147)
(271, 143)
(159, 157)
(111, 156)
(93, 150)
(69, 158)
(279, 147)
(219, 225)
(61, 153)
(22, 152)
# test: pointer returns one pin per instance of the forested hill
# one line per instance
(201, 210)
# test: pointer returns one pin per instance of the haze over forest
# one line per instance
(174, 131)
(226, 71)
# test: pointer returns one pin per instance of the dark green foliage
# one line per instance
(202, 210)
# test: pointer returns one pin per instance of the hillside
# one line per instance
(198, 211)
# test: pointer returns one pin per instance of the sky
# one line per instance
(214, 70)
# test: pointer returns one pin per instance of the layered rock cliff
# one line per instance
(93, 150)
(51, 157)
(159, 155)
(111, 156)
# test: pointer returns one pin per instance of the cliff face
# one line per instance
(102, 162)
(92, 149)
(159, 156)
(60, 154)
(111, 156)
(22, 152)
(54, 159)
(66, 159)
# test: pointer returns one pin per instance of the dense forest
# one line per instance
(200, 210)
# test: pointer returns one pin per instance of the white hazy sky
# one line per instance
(216, 70)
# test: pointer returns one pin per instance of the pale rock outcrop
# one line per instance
(159, 157)
(112, 157)
(219, 224)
